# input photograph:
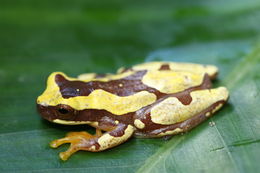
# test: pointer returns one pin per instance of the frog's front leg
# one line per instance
(98, 142)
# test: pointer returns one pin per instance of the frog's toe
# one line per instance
(72, 137)
(59, 142)
(66, 154)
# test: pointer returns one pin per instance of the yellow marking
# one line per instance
(98, 99)
(110, 77)
(211, 70)
(107, 141)
(217, 108)
(120, 70)
(208, 114)
(91, 76)
(171, 110)
(93, 148)
(116, 122)
(171, 81)
(170, 132)
(94, 124)
(139, 124)
(87, 76)
(65, 122)
(59, 121)
(149, 66)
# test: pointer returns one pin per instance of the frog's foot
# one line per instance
(94, 143)
(78, 141)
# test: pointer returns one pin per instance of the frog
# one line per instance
(148, 100)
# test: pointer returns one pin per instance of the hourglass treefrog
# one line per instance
(153, 99)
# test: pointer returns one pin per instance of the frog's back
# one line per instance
(126, 91)
(158, 82)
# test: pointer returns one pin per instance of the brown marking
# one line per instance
(132, 84)
(105, 119)
(96, 144)
(119, 131)
(165, 67)
(90, 143)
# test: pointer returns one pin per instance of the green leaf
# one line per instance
(39, 37)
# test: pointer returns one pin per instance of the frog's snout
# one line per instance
(46, 112)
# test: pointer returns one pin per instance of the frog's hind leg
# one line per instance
(180, 118)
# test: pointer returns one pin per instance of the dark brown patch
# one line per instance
(165, 67)
(131, 84)
(104, 117)
(119, 131)
(96, 144)
(90, 143)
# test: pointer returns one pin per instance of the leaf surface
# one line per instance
(39, 37)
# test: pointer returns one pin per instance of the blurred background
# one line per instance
(80, 36)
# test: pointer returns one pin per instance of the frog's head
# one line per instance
(55, 103)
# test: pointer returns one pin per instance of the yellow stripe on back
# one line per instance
(100, 99)
(171, 81)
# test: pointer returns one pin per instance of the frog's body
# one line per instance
(149, 100)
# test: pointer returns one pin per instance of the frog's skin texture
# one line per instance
(148, 100)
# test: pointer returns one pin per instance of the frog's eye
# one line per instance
(63, 111)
